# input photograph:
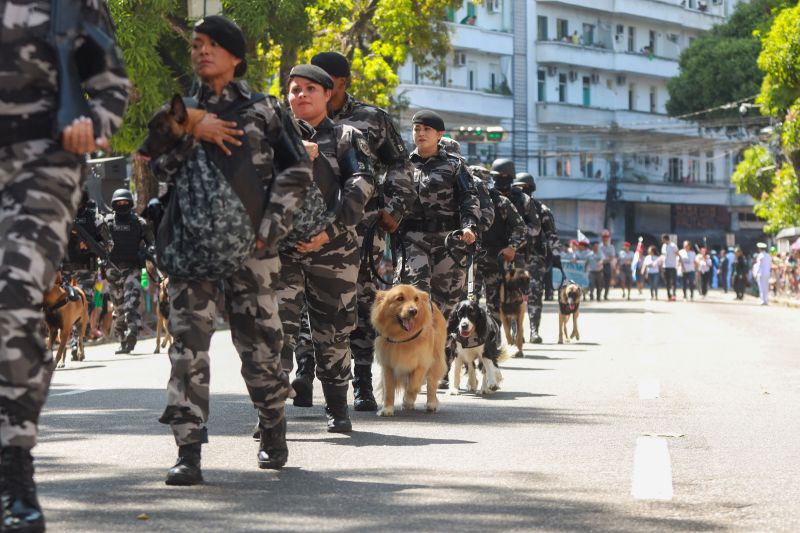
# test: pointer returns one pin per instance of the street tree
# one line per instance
(721, 65)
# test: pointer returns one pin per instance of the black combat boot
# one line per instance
(362, 389)
(18, 502)
(187, 470)
(303, 383)
(536, 320)
(273, 452)
(336, 408)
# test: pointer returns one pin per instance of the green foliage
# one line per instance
(754, 174)
(780, 60)
(721, 65)
(781, 206)
(376, 35)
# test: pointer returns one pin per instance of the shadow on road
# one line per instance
(358, 439)
(345, 500)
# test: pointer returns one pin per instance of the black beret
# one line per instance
(428, 118)
(228, 35)
(333, 63)
(313, 73)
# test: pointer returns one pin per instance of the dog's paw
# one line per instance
(386, 411)
(408, 406)
(453, 392)
(432, 407)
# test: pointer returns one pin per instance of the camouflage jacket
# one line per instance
(346, 150)
(389, 153)
(28, 73)
(445, 191)
(266, 127)
(93, 222)
(453, 147)
(508, 228)
(547, 241)
(527, 210)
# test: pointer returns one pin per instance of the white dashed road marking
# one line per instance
(652, 470)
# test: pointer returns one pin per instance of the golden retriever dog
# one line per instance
(64, 307)
(409, 347)
(514, 288)
(569, 302)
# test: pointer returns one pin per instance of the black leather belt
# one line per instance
(430, 226)
(21, 128)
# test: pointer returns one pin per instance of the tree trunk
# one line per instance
(145, 184)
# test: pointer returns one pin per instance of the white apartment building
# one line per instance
(581, 88)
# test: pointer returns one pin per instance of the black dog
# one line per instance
(477, 338)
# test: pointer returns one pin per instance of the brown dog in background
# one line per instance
(168, 125)
(409, 346)
(569, 302)
(61, 314)
(514, 288)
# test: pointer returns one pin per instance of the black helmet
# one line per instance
(503, 168)
(525, 179)
(119, 195)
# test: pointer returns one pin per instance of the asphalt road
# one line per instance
(665, 417)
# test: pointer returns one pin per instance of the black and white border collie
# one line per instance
(478, 339)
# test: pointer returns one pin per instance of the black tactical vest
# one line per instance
(496, 237)
(86, 218)
(126, 233)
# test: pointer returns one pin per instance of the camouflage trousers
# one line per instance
(321, 285)
(125, 286)
(430, 268)
(537, 271)
(39, 194)
(489, 268)
(256, 332)
(362, 339)
(86, 279)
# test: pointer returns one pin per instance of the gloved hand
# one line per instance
(386, 221)
(508, 254)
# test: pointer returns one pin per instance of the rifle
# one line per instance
(66, 25)
(95, 246)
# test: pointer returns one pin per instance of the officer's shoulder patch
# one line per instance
(362, 144)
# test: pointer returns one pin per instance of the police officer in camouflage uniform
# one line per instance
(447, 201)
(391, 202)
(80, 262)
(131, 236)
(503, 241)
(504, 173)
(319, 275)
(218, 56)
(40, 187)
(545, 253)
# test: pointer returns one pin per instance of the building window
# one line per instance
(632, 97)
(653, 101)
(540, 85)
(541, 28)
(587, 165)
(588, 34)
(443, 79)
(587, 93)
(562, 87)
(471, 80)
(652, 42)
(631, 39)
(416, 74)
(710, 171)
(675, 169)
(562, 29)
(563, 166)
(493, 81)
(694, 171)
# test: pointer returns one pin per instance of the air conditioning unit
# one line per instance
(459, 59)
(573, 75)
(621, 80)
(595, 79)
(494, 6)
(552, 71)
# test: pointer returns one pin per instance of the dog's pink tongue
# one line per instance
(465, 333)
(408, 324)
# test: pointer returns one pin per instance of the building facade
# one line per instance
(580, 87)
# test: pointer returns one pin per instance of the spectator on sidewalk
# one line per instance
(704, 265)
(609, 254)
(594, 265)
(687, 264)
(669, 251)
(625, 269)
(762, 269)
(739, 273)
(651, 267)
(725, 265)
